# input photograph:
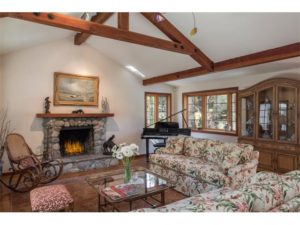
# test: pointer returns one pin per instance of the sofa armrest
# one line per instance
(242, 172)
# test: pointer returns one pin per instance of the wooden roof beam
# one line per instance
(98, 18)
(123, 21)
(79, 25)
(270, 55)
(174, 34)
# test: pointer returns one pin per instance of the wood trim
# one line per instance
(123, 21)
(174, 34)
(72, 115)
(75, 24)
(98, 18)
(270, 55)
(207, 131)
(156, 94)
(204, 94)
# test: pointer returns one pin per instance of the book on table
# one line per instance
(123, 190)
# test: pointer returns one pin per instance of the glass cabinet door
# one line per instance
(287, 114)
(265, 114)
(247, 116)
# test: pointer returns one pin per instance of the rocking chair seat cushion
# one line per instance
(51, 198)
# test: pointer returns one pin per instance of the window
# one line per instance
(212, 111)
(157, 107)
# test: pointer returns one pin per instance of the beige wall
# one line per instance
(242, 82)
(28, 79)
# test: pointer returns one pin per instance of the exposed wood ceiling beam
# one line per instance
(271, 55)
(3, 15)
(98, 18)
(174, 34)
(123, 21)
(72, 23)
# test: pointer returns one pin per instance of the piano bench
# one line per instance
(159, 145)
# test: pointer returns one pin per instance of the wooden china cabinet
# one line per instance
(269, 119)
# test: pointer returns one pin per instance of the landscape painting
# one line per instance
(70, 89)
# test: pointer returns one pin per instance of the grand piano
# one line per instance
(163, 130)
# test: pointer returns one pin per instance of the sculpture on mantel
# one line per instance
(47, 105)
(105, 105)
(108, 145)
(79, 111)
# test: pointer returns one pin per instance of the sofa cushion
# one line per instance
(266, 190)
(194, 147)
(291, 185)
(231, 154)
(197, 168)
(175, 162)
(221, 200)
(212, 153)
(174, 145)
(208, 172)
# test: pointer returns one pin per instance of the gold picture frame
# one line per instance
(77, 90)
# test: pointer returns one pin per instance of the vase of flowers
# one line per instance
(126, 153)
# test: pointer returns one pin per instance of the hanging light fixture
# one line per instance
(85, 16)
(194, 30)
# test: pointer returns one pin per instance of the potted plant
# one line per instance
(4, 131)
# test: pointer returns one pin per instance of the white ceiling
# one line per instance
(220, 36)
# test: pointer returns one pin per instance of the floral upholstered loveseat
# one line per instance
(201, 165)
(264, 192)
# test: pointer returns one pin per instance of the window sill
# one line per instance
(215, 132)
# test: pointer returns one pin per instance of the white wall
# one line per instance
(1, 85)
(28, 79)
(242, 82)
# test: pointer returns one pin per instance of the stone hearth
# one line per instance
(95, 158)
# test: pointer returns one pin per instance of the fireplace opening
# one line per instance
(76, 140)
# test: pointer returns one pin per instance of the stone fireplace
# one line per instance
(54, 129)
(76, 139)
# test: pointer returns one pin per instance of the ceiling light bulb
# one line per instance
(193, 31)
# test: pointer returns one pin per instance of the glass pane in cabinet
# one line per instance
(287, 114)
(247, 116)
(265, 114)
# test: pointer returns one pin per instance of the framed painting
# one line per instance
(71, 89)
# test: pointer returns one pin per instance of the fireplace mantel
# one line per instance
(73, 115)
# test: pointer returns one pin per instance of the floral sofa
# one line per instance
(264, 192)
(201, 165)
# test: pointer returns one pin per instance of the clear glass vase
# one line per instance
(127, 172)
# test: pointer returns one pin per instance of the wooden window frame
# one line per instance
(156, 95)
(204, 94)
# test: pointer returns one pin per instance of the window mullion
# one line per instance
(203, 111)
(229, 113)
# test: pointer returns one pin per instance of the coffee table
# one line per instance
(144, 184)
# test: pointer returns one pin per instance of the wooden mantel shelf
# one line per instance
(73, 115)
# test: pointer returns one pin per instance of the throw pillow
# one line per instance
(231, 155)
(246, 154)
(212, 152)
(174, 145)
(194, 147)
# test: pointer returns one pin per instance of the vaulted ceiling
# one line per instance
(220, 36)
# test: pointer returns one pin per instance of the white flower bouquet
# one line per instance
(125, 153)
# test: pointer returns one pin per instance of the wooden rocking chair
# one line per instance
(28, 170)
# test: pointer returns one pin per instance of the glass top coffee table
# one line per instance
(144, 184)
